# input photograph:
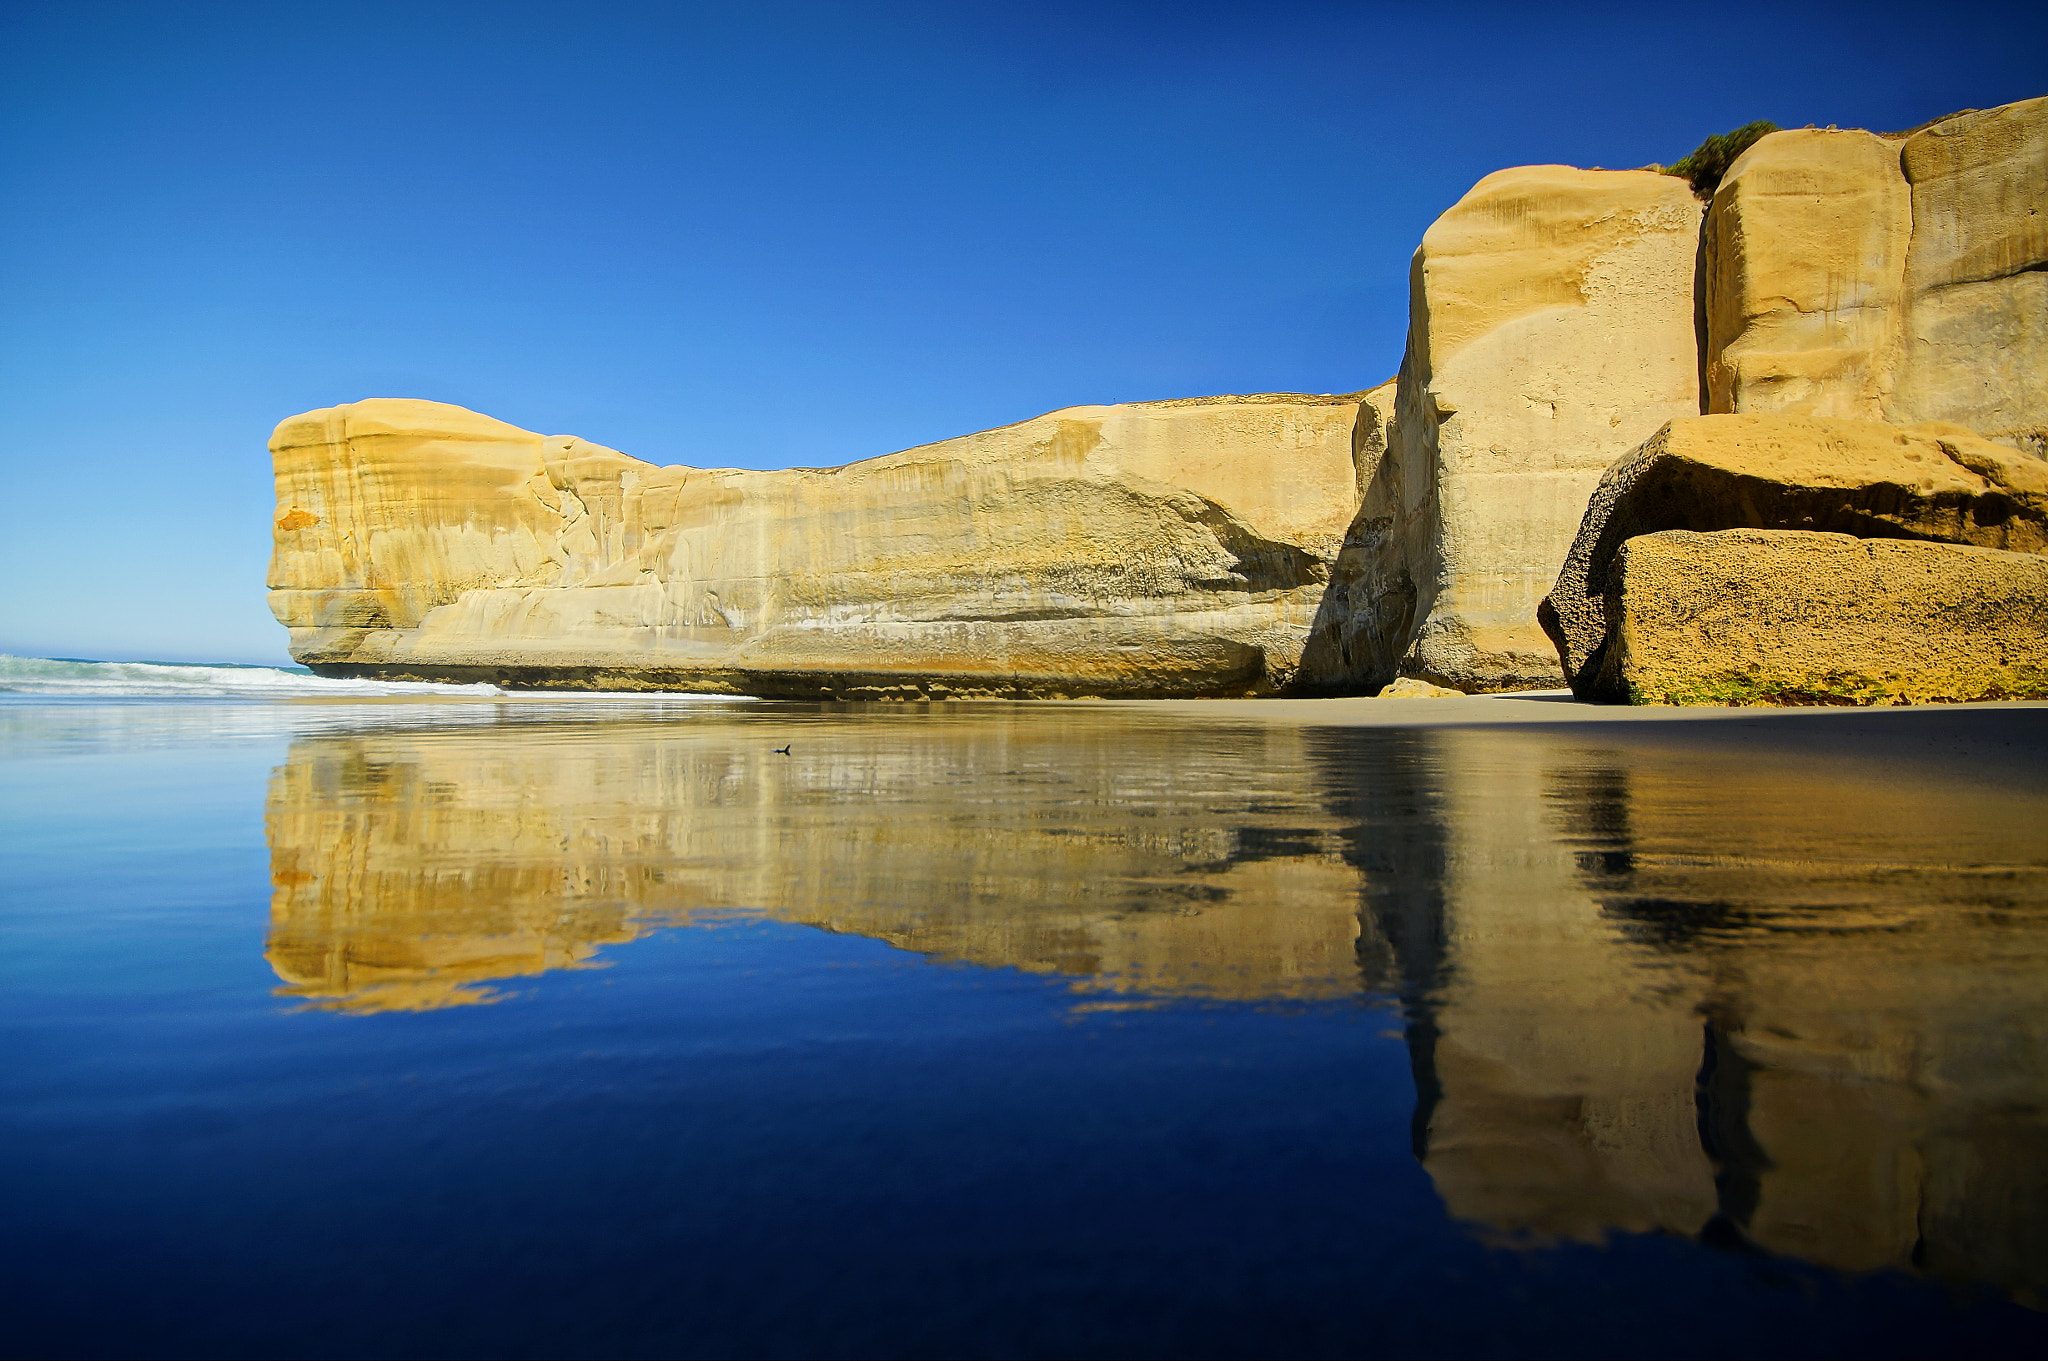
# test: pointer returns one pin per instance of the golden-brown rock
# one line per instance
(1863, 478)
(1758, 616)
(1175, 547)
(1551, 330)
(1977, 276)
(1806, 253)
(1849, 274)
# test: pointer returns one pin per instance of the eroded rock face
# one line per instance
(1150, 549)
(1976, 349)
(1862, 478)
(1806, 250)
(1749, 616)
(1906, 280)
(1551, 331)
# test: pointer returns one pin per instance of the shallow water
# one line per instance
(599, 1028)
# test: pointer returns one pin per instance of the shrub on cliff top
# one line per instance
(1711, 159)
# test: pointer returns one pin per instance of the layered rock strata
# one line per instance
(1250, 545)
(1903, 279)
(1748, 616)
(1160, 548)
(1551, 330)
(1932, 482)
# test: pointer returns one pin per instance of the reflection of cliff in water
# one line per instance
(1783, 1000)
(412, 868)
(1788, 1001)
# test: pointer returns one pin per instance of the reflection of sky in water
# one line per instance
(1769, 989)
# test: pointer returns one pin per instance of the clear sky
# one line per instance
(762, 235)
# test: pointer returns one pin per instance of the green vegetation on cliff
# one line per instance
(1710, 159)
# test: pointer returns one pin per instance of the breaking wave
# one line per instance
(57, 676)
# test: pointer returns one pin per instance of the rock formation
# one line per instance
(1839, 273)
(1550, 331)
(1157, 548)
(1806, 244)
(1748, 616)
(1863, 478)
(1903, 279)
(1267, 544)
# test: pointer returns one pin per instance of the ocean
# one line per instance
(358, 1019)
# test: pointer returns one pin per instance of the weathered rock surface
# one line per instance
(1748, 616)
(1551, 330)
(1873, 481)
(1806, 249)
(1157, 548)
(1264, 544)
(1849, 274)
(1977, 276)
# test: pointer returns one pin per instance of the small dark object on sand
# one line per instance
(783, 751)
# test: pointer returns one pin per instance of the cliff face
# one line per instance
(1551, 331)
(1557, 320)
(1149, 549)
(1890, 279)
(1253, 545)
(1805, 297)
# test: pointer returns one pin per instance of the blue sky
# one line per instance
(765, 235)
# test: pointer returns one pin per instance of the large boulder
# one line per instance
(1901, 278)
(1861, 478)
(1157, 548)
(1551, 331)
(1748, 616)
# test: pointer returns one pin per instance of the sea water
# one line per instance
(356, 1020)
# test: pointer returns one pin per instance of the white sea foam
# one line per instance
(115, 680)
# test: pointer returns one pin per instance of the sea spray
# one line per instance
(118, 680)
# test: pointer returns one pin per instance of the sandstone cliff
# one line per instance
(1903, 279)
(1157, 548)
(1551, 330)
(1230, 545)
(1560, 316)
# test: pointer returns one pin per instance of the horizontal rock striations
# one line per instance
(1859, 478)
(1865, 315)
(1167, 548)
